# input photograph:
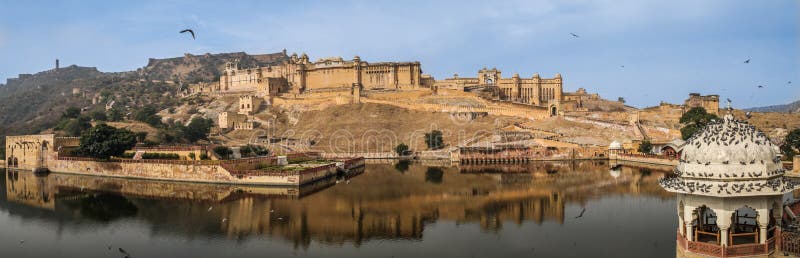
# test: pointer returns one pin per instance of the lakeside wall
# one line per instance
(201, 172)
(647, 159)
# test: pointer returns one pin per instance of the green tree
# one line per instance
(99, 116)
(223, 152)
(434, 140)
(401, 149)
(76, 126)
(3, 152)
(114, 115)
(197, 129)
(191, 155)
(645, 147)
(694, 120)
(141, 136)
(791, 144)
(103, 141)
(246, 150)
(71, 112)
(148, 115)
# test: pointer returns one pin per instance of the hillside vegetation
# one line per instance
(34, 103)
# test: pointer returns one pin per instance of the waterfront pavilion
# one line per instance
(730, 185)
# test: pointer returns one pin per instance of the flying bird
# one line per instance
(574, 35)
(760, 86)
(745, 61)
(748, 114)
(189, 31)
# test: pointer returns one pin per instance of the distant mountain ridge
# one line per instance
(791, 108)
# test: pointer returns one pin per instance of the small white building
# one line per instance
(730, 185)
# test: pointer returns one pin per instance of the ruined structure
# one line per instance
(35, 151)
(708, 102)
(249, 104)
(229, 120)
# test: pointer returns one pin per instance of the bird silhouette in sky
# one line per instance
(574, 35)
(747, 61)
(760, 86)
(189, 31)
(581, 215)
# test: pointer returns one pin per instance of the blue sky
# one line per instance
(667, 48)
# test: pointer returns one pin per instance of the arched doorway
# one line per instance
(553, 111)
(744, 227)
(16, 162)
(705, 226)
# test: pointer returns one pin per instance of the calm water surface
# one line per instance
(389, 210)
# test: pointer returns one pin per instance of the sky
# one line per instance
(643, 51)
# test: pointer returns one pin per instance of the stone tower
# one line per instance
(56, 64)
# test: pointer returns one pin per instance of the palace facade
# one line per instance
(296, 74)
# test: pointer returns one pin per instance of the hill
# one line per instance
(33, 103)
(206, 67)
(791, 108)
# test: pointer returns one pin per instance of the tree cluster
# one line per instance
(434, 140)
(645, 147)
(103, 141)
(694, 120)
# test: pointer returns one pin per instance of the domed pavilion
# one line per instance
(730, 185)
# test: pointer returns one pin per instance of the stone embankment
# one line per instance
(647, 159)
(241, 171)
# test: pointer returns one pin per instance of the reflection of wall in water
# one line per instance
(22, 187)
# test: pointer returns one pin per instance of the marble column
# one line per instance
(723, 234)
(762, 232)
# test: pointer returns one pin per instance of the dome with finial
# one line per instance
(729, 141)
(615, 145)
(729, 158)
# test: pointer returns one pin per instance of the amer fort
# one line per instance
(514, 144)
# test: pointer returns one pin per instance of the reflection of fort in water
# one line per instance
(386, 202)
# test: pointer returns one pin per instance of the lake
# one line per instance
(387, 210)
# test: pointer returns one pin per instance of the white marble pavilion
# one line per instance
(731, 186)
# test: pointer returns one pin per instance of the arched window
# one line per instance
(744, 227)
(705, 226)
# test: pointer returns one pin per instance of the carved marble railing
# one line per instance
(705, 248)
(745, 250)
(790, 242)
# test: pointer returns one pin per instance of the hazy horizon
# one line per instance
(644, 52)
